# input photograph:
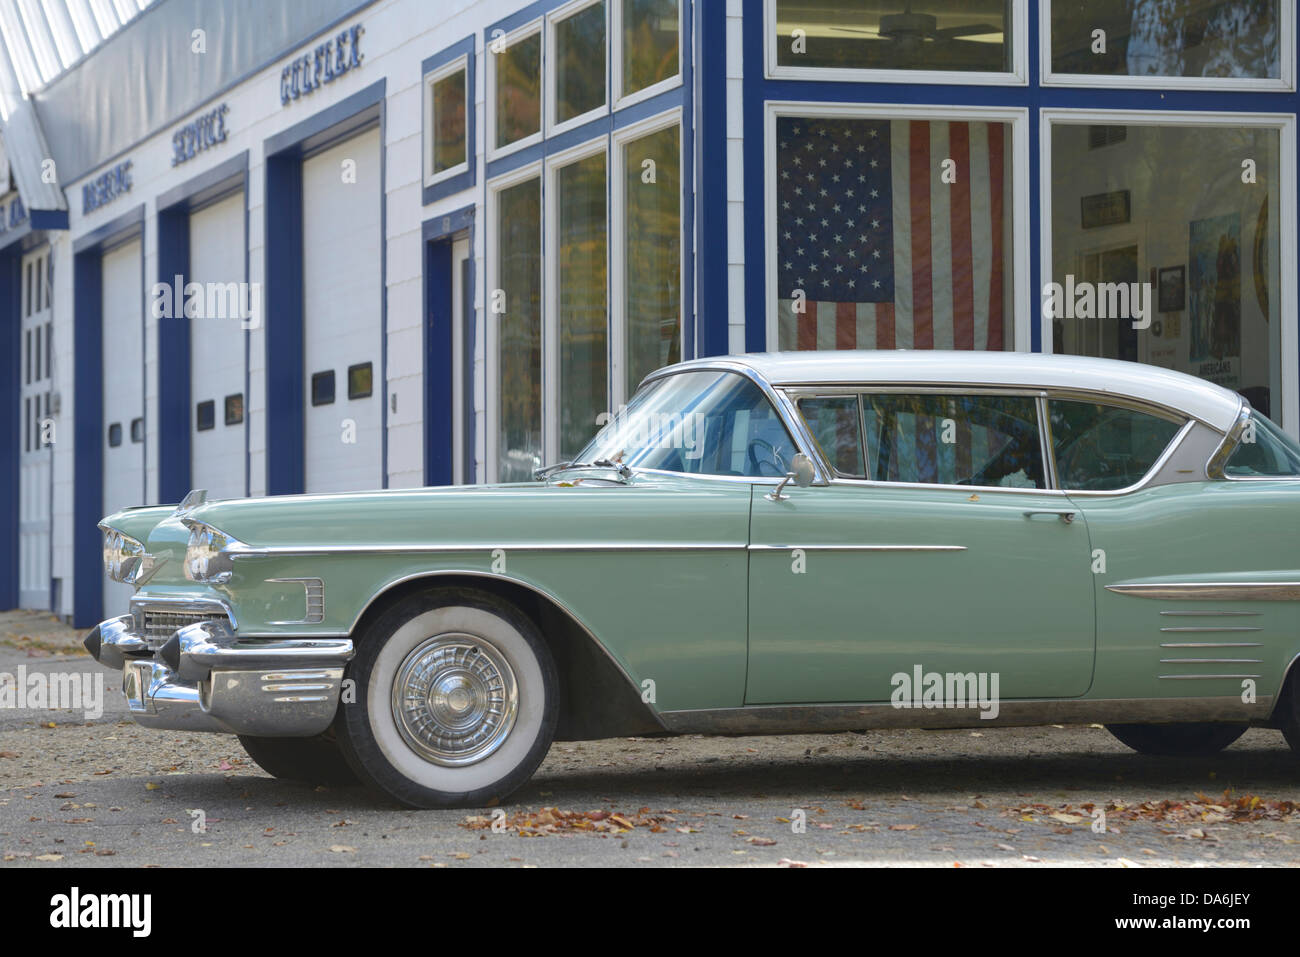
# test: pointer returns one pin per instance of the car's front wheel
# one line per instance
(1186, 740)
(456, 700)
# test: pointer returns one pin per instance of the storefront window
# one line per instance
(1165, 250)
(892, 234)
(580, 63)
(1167, 38)
(948, 35)
(580, 208)
(519, 90)
(519, 285)
(447, 121)
(652, 234)
(650, 43)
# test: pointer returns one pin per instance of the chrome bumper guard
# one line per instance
(206, 678)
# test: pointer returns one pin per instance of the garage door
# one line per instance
(36, 444)
(341, 318)
(217, 418)
(122, 307)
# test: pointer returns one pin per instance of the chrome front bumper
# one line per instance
(206, 678)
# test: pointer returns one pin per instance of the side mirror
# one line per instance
(801, 473)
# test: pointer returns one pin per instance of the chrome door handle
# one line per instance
(1064, 515)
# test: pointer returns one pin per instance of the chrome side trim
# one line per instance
(859, 548)
(1212, 591)
(1195, 628)
(1212, 614)
(1211, 661)
(1212, 644)
(1214, 467)
(1203, 677)
(824, 718)
(256, 551)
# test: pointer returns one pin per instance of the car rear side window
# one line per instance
(1102, 448)
(1265, 451)
(836, 424)
(941, 439)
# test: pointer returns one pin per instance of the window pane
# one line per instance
(583, 309)
(519, 277)
(449, 147)
(967, 35)
(705, 423)
(954, 440)
(1269, 452)
(835, 424)
(876, 251)
(652, 299)
(580, 63)
(1102, 447)
(519, 90)
(1225, 38)
(1185, 250)
(649, 43)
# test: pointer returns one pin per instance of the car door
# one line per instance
(937, 548)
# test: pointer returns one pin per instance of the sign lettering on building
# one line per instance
(326, 63)
(106, 187)
(199, 134)
(13, 215)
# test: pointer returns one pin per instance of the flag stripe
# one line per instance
(995, 211)
(963, 296)
(922, 274)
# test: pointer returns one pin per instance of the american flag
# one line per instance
(887, 254)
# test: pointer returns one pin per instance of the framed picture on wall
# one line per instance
(1172, 289)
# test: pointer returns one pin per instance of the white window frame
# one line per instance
(1284, 82)
(492, 345)
(1285, 124)
(1019, 75)
(552, 77)
(510, 39)
(460, 64)
(1017, 118)
(616, 51)
(551, 290)
(618, 232)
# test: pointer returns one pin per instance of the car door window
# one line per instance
(1265, 451)
(837, 426)
(1105, 447)
(940, 439)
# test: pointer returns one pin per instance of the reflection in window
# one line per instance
(580, 63)
(1265, 451)
(519, 90)
(649, 43)
(876, 251)
(1168, 38)
(1102, 447)
(837, 427)
(959, 35)
(519, 277)
(234, 408)
(1202, 246)
(448, 122)
(583, 308)
(652, 294)
(983, 440)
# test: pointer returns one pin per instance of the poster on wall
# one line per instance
(1214, 306)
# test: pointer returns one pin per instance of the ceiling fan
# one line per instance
(910, 29)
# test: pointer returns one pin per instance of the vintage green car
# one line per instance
(757, 544)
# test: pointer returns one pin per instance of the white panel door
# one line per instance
(217, 350)
(35, 451)
(122, 305)
(341, 302)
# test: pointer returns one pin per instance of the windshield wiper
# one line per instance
(624, 472)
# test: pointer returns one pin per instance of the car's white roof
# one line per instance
(1203, 400)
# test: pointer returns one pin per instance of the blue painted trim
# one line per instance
(324, 129)
(711, 160)
(283, 300)
(174, 395)
(437, 338)
(48, 218)
(207, 187)
(1034, 101)
(17, 234)
(465, 180)
(522, 17)
(10, 421)
(113, 233)
(686, 92)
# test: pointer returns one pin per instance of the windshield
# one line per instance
(704, 423)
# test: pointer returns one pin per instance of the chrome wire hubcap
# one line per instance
(455, 699)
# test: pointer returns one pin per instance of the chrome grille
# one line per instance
(161, 625)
